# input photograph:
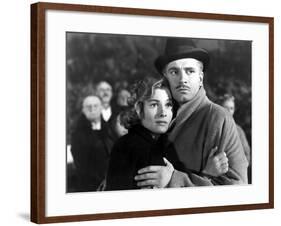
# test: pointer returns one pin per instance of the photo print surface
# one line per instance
(148, 112)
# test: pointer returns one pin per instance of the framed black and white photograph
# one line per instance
(139, 112)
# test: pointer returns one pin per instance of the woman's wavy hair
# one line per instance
(140, 91)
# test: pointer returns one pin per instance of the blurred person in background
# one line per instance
(228, 102)
(91, 145)
(105, 93)
(121, 105)
(122, 98)
(119, 127)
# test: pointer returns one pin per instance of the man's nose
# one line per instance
(182, 76)
(92, 108)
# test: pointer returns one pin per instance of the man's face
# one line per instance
(92, 108)
(185, 77)
(104, 91)
(229, 106)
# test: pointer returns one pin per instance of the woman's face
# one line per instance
(157, 111)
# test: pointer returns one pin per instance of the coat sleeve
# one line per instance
(244, 142)
(223, 134)
(230, 143)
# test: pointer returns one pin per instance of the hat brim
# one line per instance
(196, 53)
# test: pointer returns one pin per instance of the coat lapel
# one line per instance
(185, 112)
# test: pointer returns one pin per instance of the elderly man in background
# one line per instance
(199, 126)
(91, 144)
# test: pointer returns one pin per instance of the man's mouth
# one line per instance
(182, 88)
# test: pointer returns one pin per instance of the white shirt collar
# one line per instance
(96, 125)
(106, 113)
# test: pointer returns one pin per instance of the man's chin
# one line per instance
(93, 118)
(106, 100)
(183, 99)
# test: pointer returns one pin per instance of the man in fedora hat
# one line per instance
(200, 125)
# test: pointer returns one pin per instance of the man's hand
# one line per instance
(216, 164)
(155, 176)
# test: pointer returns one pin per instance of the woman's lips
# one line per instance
(161, 123)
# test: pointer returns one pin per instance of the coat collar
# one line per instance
(85, 124)
(143, 132)
(186, 111)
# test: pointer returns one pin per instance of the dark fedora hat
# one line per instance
(179, 48)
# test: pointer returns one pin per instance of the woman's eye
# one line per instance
(190, 71)
(153, 105)
(170, 105)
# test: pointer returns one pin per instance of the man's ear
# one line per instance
(164, 75)
(201, 77)
(164, 72)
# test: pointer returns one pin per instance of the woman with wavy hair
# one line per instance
(149, 116)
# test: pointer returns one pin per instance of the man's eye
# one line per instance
(153, 105)
(173, 72)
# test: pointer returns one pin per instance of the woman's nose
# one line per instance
(162, 112)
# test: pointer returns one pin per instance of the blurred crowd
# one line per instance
(93, 134)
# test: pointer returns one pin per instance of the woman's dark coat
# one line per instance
(135, 150)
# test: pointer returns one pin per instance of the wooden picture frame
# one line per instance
(39, 124)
